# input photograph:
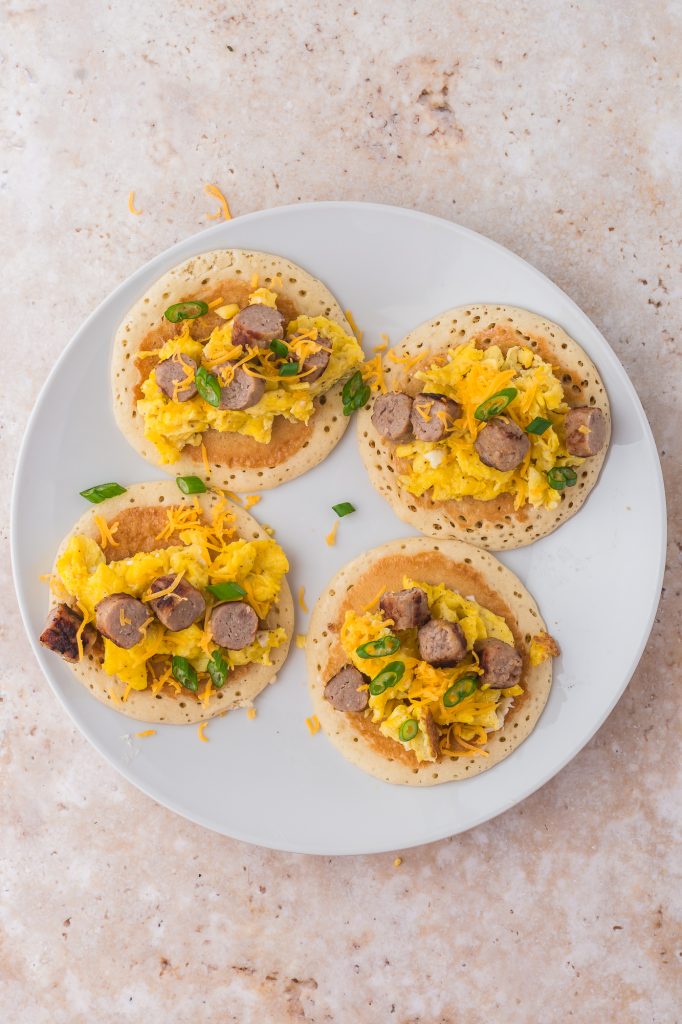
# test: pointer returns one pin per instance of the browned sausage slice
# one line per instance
(120, 618)
(242, 392)
(172, 379)
(233, 625)
(179, 609)
(501, 663)
(257, 325)
(585, 431)
(317, 362)
(407, 608)
(432, 734)
(502, 444)
(433, 415)
(441, 643)
(391, 416)
(343, 693)
(60, 632)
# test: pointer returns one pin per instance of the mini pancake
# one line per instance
(140, 515)
(237, 462)
(494, 524)
(465, 569)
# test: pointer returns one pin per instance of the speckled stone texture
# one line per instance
(552, 127)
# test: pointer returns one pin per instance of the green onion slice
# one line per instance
(460, 690)
(217, 668)
(190, 484)
(100, 492)
(388, 676)
(344, 508)
(289, 369)
(494, 405)
(227, 591)
(185, 673)
(352, 386)
(538, 426)
(379, 648)
(561, 476)
(208, 386)
(359, 399)
(185, 311)
(279, 348)
(408, 730)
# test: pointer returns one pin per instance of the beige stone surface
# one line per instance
(552, 127)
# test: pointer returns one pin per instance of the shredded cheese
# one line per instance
(300, 640)
(301, 599)
(131, 205)
(313, 724)
(251, 500)
(373, 372)
(206, 695)
(147, 732)
(106, 532)
(397, 862)
(354, 327)
(224, 211)
(331, 536)
(126, 693)
(380, 348)
(215, 302)
(251, 713)
(149, 596)
(375, 600)
(200, 730)
(204, 459)
(254, 281)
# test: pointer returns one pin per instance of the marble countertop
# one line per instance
(554, 129)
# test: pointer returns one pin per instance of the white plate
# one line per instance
(597, 579)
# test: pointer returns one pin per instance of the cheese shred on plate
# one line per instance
(451, 467)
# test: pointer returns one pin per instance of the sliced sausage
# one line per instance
(120, 618)
(391, 416)
(585, 431)
(407, 608)
(172, 379)
(343, 693)
(502, 444)
(257, 325)
(317, 362)
(501, 663)
(433, 415)
(242, 392)
(233, 624)
(60, 632)
(441, 643)
(179, 609)
(432, 734)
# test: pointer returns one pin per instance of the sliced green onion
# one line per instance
(208, 386)
(379, 648)
(494, 405)
(388, 676)
(460, 690)
(217, 668)
(190, 484)
(344, 508)
(289, 369)
(185, 311)
(408, 730)
(361, 398)
(100, 492)
(279, 348)
(185, 673)
(561, 476)
(538, 426)
(352, 386)
(227, 591)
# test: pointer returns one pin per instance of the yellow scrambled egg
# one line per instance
(422, 686)
(171, 425)
(207, 554)
(451, 467)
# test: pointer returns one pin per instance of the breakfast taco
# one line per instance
(427, 662)
(493, 427)
(170, 608)
(232, 366)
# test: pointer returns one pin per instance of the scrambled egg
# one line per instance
(258, 566)
(422, 686)
(451, 467)
(171, 425)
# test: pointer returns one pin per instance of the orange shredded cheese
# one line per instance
(233, 497)
(106, 532)
(313, 724)
(375, 600)
(215, 303)
(204, 459)
(301, 599)
(354, 327)
(397, 862)
(114, 696)
(254, 281)
(251, 500)
(131, 205)
(147, 732)
(206, 695)
(331, 536)
(149, 596)
(224, 211)
(300, 640)
(373, 371)
(380, 348)
(200, 730)
(126, 693)
(251, 713)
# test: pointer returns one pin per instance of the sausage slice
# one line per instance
(170, 372)
(60, 632)
(432, 416)
(242, 392)
(120, 617)
(180, 609)
(257, 325)
(501, 663)
(391, 416)
(317, 362)
(233, 625)
(502, 444)
(342, 690)
(441, 643)
(585, 431)
(407, 608)
(432, 734)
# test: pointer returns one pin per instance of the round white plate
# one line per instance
(597, 579)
